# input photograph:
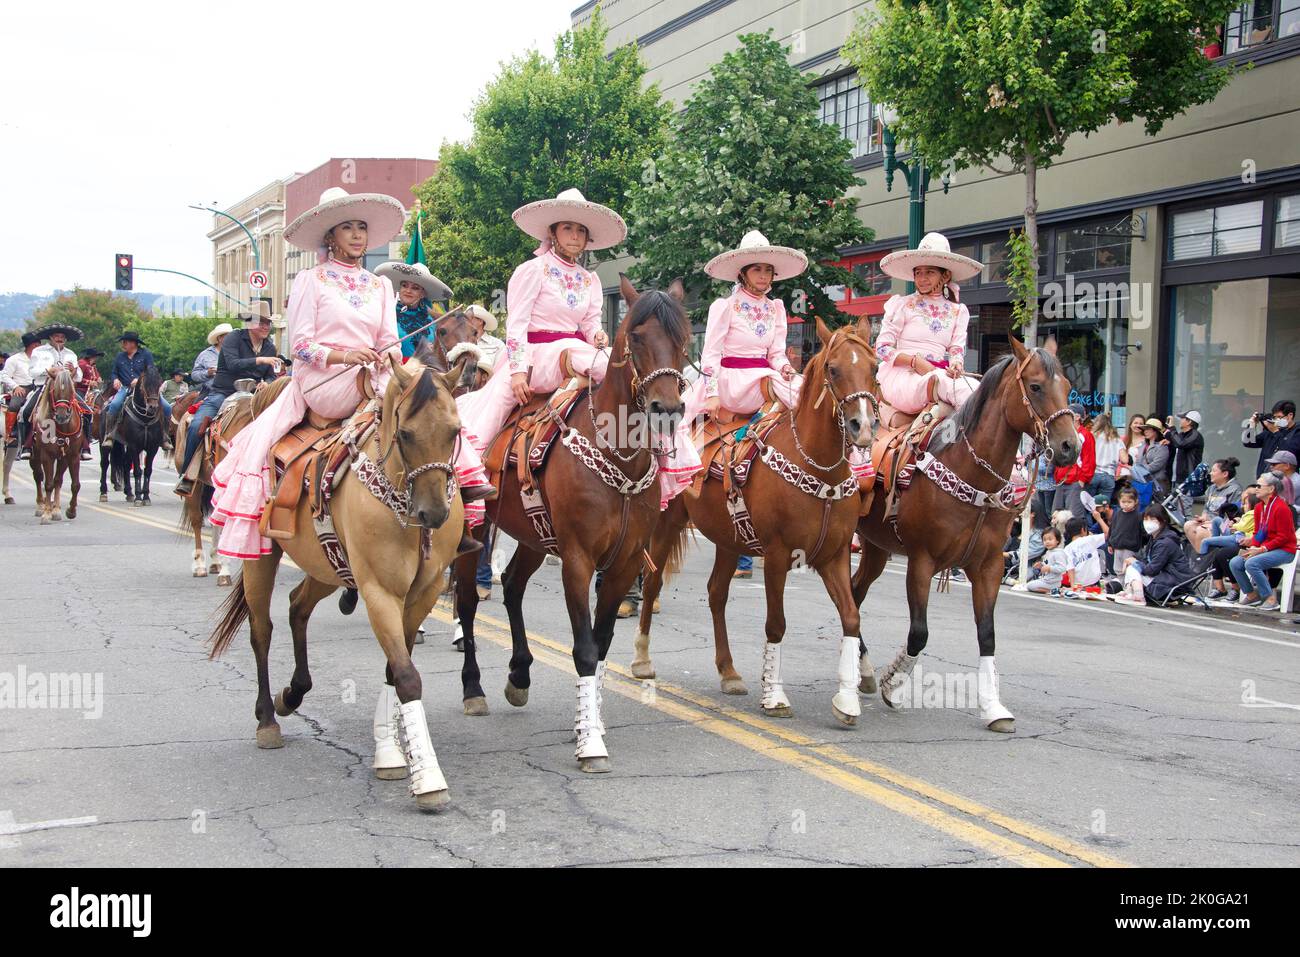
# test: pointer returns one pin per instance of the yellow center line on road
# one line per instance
(825, 762)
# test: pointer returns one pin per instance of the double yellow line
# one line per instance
(1000, 835)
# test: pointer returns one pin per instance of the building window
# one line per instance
(1261, 21)
(1287, 230)
(844, 105)
(996, 266)
(1089, 248)
(875, 281)
(1218, 231)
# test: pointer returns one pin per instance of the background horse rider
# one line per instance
(247, 353)
(417, 290)
(205, 363)
(16, 377)
(129, 364)
(47, 360)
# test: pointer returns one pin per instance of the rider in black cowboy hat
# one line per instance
(127, 367)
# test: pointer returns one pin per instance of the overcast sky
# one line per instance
(83, 177)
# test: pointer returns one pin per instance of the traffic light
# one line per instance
(122, 263)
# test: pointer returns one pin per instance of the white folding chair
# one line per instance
(1287, 588)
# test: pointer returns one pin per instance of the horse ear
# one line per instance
(399, 370)
(823, 333)
(863, 328)
(677, 290)
(1018, 348)
(630, 295)
(461, 375)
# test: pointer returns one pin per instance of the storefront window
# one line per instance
(1087, 249)
(996, 267)
(1090, 334)
(875, 281)
(1218, 231)
(1287, 230)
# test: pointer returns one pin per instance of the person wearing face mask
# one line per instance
(1163, 565)
(1273, 433)
(1272, 546)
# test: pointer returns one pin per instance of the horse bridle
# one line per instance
(402, 490)
(1041, 425)
(841, 336)
(639, 384)
(57, 404)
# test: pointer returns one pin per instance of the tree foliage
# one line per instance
(1006, 83)
(749, 151)
(545, 124)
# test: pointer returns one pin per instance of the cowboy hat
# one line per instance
(258, 310)
(129, 336)
(91, 353)
(383, 216)
(72, 332)
(223, 329)
(605, 228)
(30, 338)
(475, 311)
(754, 248)
(418, 273)
(932, 251)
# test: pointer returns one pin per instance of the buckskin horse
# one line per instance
(140, 434)
(958, 510)
(395, 523)
(596, 502)
(56, 446)
(799, 504)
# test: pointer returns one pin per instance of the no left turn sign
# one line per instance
(258, 279)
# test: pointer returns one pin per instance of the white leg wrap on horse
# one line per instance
(864, 667)
(773, 695)
(587, 725)
(388, 749)
(895, 676)
(426, 776)
(846, 699)
(991, 707)
(601, 667)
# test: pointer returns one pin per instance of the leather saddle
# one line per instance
(893, 453)
(529, 434)
(726, 446)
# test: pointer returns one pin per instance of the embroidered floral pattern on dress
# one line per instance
(355, 287)
(515, 354)
(758, 314)
(573, 287)
(310, 352)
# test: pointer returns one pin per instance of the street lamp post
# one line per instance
(916, 173)
(257, 259)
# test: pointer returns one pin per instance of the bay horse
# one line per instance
(57, 438)
(602, 493)
(966, 522)
(397, 549)
(140, 435)
(803, 502)
(110, 464)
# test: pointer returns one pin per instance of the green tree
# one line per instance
(175, 341)
(1004, 84)
(99, 314)
(749, 151)
(545, 124)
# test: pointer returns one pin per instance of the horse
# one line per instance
(140, 434)
(397, 521)
(803, 503)
(110, 464)
(56, 446)
(958, 511)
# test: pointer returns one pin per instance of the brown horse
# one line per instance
(397, 548)
(965, 523)
(602, 494)
(803, 504)
(56, 446)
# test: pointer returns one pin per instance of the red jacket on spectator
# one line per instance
(1275, 518)
(1084, 466)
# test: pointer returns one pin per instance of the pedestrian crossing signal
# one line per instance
(124, 270)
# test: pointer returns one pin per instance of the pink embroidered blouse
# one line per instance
(743, 326)
(929, 326)
(547, 294)
(335, 306)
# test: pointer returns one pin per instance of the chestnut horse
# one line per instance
(397, 548)
(602, 492)
(57, 437)
(965, 524)
(804, 502)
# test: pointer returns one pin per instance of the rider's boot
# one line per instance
(468, 543)
(484, 492)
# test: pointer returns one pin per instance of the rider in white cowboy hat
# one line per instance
(417, 290)
(205, 363)
(47, 360)
(744, 341)
(922, 341)
(484, 324)
(339, 314)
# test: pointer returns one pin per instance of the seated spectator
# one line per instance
(1161, 568)
(1125, 537)
(1222, 549)
(1273, 433)
(1272, 546)
(1082, 555)
(1282, 464)
(1223, 490)
(1051, 566)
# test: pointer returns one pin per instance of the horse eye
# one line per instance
(1035, 387)
(405, 435)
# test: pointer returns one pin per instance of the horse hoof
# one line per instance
(516, 696)
(103, 497)
(419, 637)
(214, 569)
(594, 765)
(148, 501)
(270, 737)
(867, 684)
(476, 707)
(459, 644)
(1003, 725)
(199, 573)
(734, 686)
(391, 774)
(848, 720)
(644, 670)
(56, 516)
(282, 709)
(138, 502)
(9, 500)
(780, 711)
(433, 801)
(223, 580)
(71, 514)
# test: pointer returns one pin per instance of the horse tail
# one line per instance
(234, 612)
(677, 554)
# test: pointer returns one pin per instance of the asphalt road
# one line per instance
(1143, 737)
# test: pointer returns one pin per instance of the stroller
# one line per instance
(1178, 503)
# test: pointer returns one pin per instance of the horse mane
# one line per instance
(426, 388)
(151, 379)
(814, 380)
(657, 304)
(968, 416)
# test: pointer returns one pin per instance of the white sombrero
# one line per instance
(222, 330)
(418, 273)
(475, 311)
(754, 248)
(933, 251)
(383, 215)
(605, 228)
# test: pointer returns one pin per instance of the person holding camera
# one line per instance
(1272, 433)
